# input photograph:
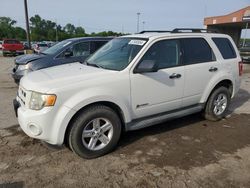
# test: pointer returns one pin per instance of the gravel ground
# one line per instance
(188, 152)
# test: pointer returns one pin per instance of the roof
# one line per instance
(90, 38)
(236, 18)
(169, 34)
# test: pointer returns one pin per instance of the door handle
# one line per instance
(174, 75)
(213, 69)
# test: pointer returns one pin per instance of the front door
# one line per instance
(161, 91)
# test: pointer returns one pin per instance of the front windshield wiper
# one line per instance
(43, 53)
(92, 64)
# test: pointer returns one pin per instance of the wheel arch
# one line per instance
(228, 83)
(118, 110)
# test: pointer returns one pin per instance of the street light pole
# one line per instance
(27, 23)
(143, 25)
(138, 21)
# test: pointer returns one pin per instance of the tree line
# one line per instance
(45, 30)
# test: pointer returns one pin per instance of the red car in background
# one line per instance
(12, 46)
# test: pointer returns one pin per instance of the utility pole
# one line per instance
(27, 23)
(138, 21)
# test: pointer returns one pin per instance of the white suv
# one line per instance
(132, 82)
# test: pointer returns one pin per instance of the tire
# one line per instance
(213, 112)
(89, 138)
(4, 54)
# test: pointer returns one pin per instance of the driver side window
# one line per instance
(81, 49)
(165, 53)
(77, 50)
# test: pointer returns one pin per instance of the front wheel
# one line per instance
(95, 132)
(217, 104)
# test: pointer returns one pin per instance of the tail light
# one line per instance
(240, 68)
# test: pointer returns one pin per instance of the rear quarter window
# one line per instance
(225, 47)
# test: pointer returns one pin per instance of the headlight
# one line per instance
(23, 67)
(39, 100)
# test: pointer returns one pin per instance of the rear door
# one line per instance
(200, 66)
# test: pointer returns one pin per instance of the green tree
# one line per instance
(20, 33)
(70, 29)
(80, 32)
(6, 27)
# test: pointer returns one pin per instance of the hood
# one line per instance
(24, 59)
(55, 77)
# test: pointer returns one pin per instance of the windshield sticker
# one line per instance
(67, 43)
(137, 42)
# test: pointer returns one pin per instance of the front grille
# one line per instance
(22, 94)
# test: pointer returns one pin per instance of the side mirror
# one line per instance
(146, 66)
(68, 53)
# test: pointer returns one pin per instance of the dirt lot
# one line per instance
(188, 152)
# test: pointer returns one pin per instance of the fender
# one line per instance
(223, 75)
(92, 95)
(82, 99)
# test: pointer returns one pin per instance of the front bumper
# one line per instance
(19, 52)
(16, 105)
(48, 124)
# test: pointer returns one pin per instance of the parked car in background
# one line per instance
(40, 47)
(12, 47)
(1, 42)
(67, 51)
(245, 53)
(25, 45)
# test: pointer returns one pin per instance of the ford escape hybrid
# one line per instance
(130, 83)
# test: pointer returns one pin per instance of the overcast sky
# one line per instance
(117, 15)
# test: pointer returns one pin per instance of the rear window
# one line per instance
(197, 50)
(225, 47)
(11, 42)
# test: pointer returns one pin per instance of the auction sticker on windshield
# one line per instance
(137, 42)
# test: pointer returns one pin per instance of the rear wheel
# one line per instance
(95, 132)
(217, 104)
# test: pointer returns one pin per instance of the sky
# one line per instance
(121, 16)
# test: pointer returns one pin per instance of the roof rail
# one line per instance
(194, 30)
(154, 31)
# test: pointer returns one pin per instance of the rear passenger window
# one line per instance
(197, 50)
(226, 48)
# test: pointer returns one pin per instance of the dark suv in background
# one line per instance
(67, 51)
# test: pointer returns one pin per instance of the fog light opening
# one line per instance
(35, 130)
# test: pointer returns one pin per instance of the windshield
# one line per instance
(117, 54)
(56, 47)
